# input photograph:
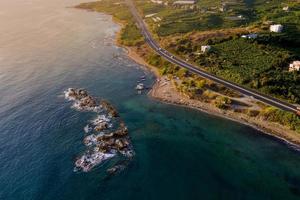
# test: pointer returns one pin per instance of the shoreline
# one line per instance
(229, 115)
(158, 92)
(174, 97)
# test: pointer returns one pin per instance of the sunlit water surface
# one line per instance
(47, 47)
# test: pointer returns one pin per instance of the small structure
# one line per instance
(294, 66)
(277, 28)
(185, 2)
(157, 1)
(286, 8)
(223, 7)
(158, 18)
(150, 15)
(236, 18)
(140, 86)
(205, 48)
(250, 36)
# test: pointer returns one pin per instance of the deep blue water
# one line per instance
(46, 48)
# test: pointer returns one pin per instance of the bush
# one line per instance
(252, 113)
(284, 118)
(222, 102)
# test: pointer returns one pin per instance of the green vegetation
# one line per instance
(290, 20)
(222, 102)
(247, 62)
(260, 64)
(131, 35)
(285, 118)
(177, 20)
(206, 15)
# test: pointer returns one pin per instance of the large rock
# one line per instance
(82, 93)
(101, 126)
(110, 109)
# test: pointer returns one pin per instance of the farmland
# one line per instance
(260, 64)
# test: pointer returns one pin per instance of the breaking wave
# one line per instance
(106, 136)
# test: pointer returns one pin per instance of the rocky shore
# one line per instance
(106, 135)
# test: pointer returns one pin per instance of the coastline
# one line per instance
(166, 92)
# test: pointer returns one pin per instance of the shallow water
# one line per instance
(46, 48)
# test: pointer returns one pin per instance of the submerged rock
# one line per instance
(115, 169)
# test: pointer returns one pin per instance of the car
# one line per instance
(159, 48)
(172, 56)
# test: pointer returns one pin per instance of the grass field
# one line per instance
(261, 64)
(247, 62)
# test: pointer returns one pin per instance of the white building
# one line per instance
(205, 48)
(294, 66)
(185, 2)
(250, 36)
(286, 8)
(150, 15)
(223, 7)
(277, 28)
(157, 1)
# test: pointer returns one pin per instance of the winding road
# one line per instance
(177, 61)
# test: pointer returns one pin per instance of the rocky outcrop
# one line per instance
(82, 100)
(108, 134)
(110, 109)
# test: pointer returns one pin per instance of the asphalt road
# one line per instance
(177, 61)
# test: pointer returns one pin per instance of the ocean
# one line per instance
(47, 47)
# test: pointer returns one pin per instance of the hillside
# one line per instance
(261, 63)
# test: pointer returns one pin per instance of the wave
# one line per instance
(89, 161)
(108, 134)
(87, 129)
(82, 100)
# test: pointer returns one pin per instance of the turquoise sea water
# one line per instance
(46, 48)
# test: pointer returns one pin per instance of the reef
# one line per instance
(106, 136)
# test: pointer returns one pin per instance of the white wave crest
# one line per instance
(88, 161)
